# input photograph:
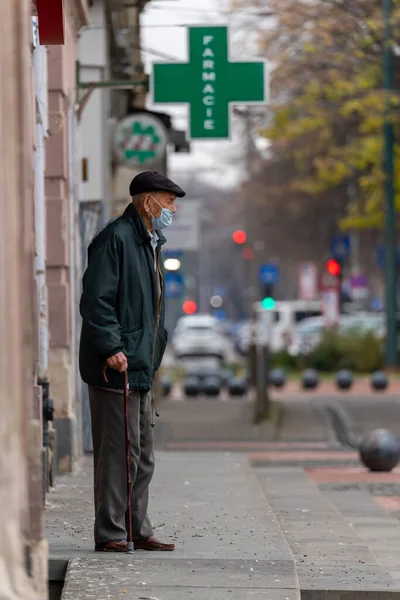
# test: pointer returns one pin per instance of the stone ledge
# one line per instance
(333, 562)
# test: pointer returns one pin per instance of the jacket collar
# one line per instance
(141, 231)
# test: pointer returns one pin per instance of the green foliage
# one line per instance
(359, 352)
(329, 105)
(283, 360)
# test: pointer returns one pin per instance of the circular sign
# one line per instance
(140, 139)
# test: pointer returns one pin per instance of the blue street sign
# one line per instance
(269, 274)
(174, 285)
(340, 246)
(220, 314)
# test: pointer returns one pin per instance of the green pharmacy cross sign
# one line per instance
(209, 83)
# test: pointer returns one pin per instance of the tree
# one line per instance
(327, 100)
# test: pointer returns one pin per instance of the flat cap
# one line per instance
(151, 181)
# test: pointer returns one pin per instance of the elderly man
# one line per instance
(122, 309)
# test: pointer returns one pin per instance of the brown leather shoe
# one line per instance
(119, 546)
(153, 543)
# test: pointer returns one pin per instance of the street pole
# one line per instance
(390, 212)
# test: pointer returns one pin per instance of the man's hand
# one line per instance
(118, 362)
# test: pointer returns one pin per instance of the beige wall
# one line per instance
(20, 429)
(23, 552)
(62, 93)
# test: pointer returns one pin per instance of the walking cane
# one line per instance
(130, 549)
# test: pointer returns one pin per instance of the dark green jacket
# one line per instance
(120, 306)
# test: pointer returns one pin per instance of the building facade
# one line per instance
(30, 143)
(23, 554)
(62, 262)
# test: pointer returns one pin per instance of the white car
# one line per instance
(199, 336)
(243, 337)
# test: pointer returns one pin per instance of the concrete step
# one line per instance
(373, 524)
(333, 561)
(228, 543)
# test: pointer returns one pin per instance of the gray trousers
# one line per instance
(110, 484)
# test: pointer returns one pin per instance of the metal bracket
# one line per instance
(90, 86)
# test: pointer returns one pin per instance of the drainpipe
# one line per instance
(40, 76)
(73, 217)
(40, 67)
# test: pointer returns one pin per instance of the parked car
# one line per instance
(199, 336)
(243, 337)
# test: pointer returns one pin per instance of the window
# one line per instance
(299, 315)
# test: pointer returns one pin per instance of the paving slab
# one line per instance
(211, 505)
(331, 556)
(133, 577)
(373, 524)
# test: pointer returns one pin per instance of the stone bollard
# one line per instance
(309, 379)
(192, 386)
(277, 378)
(237, 387)
(379, 381)
(344, 379)
(212, 385)
(380, 450)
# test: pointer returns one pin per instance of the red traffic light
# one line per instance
(248, 253)
(333, 267)
(189, 307)
(239, 237)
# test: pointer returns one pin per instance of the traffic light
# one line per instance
(334, 276)
(268, 303)
(333, 267)
(189, 307)
(239, 237)
(248, 253)
(268, 300)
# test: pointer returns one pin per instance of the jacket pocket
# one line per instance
(160, 349)
(137, 348)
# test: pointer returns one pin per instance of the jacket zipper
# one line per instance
(159, 275)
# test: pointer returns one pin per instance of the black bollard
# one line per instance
(237, 387)
(344, 379)
(309, 379)
(192, 386)
(277, 378)
(212, 386)
(380, 450)
(379, 381)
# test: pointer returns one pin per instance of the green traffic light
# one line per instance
(268, 303)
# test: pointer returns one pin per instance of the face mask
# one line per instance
(164, 220)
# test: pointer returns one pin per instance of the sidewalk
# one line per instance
(240, 533)
(211, 505)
